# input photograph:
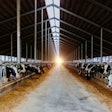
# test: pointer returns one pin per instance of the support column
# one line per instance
(42, 35)
(101, 44)
(31, 52)
(35, 31)
(50, 47)
(92, 48)
(86, 51)
(18, 31)
(78, 52)
(26, 52)
(11, 46)
(46, 41)
(81, 51)
(20, 49)
(4, 57)
(74, 54)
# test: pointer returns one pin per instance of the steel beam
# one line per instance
(66, 44)
(46, 41)
(75, 28)
(31, 52)
(32, 25)
(70, 33)
(92, 47)
(18, 31)
(95, 36)
(89, 42)
(48, 44)
(26, 13)
(11, 46)
(76, 35)
(52, 49)
(101, 45)
(73, 14)
(42, 35)
(64, 23)
(81, 51)
(69, 38)
(82, 18)
(86, 51)
(68, 24)
(68, 41)
(61, 34)
(76, 54)
(100, 5)
(35, 32)
(26, 52)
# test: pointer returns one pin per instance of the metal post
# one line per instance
(42, 35)
(81, 51)
(26, 52)
(20, 49)
(50, 46)
(75, 54)
(18, 31)
(31, 51)
(86, 51)
(78, 52)
(101, 44)
(92, 47)
(35, 31)
(11, 46)
(46, 41)
(4, 57)
(52, 49)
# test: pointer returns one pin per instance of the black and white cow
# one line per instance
(21, 69)
(88, 71)
(32, 68)
(102, 70)
(8, 73)
(83, 67)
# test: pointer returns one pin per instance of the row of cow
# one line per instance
(14, 71)
(90, 70)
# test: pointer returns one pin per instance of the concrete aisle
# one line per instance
(60, 92)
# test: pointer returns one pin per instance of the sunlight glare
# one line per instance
(59, 60)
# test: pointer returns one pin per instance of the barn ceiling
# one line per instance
(79, 20)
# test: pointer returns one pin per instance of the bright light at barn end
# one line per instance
(59, 60)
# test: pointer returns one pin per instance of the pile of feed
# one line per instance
(11, 99)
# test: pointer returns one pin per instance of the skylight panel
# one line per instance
(51, 14)
(48, 2)
(54, 12)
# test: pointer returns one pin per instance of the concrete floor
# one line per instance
(60, 92)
